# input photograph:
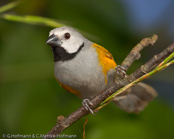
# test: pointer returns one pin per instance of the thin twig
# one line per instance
(84, 128)
(135, 52)
(154, 62)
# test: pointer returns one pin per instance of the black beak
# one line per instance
(53, 40)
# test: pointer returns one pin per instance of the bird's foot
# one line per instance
(121, 71)
(87, 103)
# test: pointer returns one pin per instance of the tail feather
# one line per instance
(135, 99)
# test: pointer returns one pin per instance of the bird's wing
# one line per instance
(105, 59)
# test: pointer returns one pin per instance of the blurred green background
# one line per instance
(31, 99)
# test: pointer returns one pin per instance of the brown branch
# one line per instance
(135, 52)
(64, 122)
(152, 63)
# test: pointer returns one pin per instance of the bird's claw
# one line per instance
(121, 71)
(87, 103)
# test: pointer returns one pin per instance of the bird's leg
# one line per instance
(87, 103)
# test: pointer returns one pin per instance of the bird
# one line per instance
(85, 69)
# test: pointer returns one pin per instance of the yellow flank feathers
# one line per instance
(105, 58)
(69, 89)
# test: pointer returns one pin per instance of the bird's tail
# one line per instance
(135, 99)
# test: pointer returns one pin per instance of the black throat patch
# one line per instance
(60, 54)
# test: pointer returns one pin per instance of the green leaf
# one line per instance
(33, 20)
(9, 6)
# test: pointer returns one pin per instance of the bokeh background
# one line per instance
(31, 99)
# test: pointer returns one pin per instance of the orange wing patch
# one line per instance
(69, 89)
(106, 59)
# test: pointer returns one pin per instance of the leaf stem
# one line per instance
(9, 6)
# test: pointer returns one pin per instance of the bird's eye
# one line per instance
(67, 35)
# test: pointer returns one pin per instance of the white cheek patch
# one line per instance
(72, 45)
(52, 32)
